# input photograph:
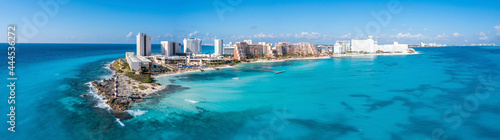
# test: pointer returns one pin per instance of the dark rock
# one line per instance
(121, 115)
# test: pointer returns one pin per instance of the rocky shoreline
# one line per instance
(126, 93)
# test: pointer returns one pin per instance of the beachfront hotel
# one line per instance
(218, 47)
(364, 46)
(136, 62)
(248, 41)
(341, 47)
(268, 48)
(170, 48)
(143, 44)
(192, 45)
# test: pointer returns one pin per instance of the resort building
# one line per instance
(136, 62)
(342, 47)
(268, 49)
(170, 48)
(218, 47)
(285, 48)
(243, 50)
(192, 45)
(228, 50)
(371, 46)
(393, 48)
(249, 41)
(143, 44)
(281, 48)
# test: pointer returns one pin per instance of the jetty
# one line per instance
(266, 70)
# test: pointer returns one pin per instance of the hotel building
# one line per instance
(364, 46)
(369, 46)
(136, 62)
(249, 41)
(170, 48)
(143, 44)
(268, 48)
(192, 45)
(218, 47)
(341, 47)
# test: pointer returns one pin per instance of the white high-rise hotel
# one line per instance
(192, 45)
(371, 46)
(143, 44)
(170, 48)
(218, 47)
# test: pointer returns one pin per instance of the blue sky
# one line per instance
(315, 21)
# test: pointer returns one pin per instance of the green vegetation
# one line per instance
(141, 87)
(234, 62)
(120, 66)
(143, 78)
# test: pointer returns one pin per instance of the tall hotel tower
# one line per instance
(218, 47)
(143, 44)
(170, 48)
(192, 45)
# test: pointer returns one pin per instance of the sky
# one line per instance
(315, 21)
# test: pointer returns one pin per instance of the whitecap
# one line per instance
(191, 101)
(106, 66)
(120, 122)
(236, 78)
(101, 103)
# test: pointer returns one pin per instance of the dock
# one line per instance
(275, 72)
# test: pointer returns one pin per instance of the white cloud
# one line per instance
(456, 34)
(482, 36)
(425, 29)
(193, 34)
(394, 30)
(497, 28)
(129, 35)
(411, 29)
(305, 36)
(346, 36)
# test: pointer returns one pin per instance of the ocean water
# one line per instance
(443, 93)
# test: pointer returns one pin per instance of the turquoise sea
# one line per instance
(443, 93)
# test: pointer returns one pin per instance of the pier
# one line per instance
(275, 72)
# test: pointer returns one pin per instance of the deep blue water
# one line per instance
(452, 90)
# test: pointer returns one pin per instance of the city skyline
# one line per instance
(319, 22)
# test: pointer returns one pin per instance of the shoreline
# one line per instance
(189, 71)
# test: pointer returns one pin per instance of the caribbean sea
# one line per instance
(442, 93)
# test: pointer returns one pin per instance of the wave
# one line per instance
(106, 66)
(236, 78)
(120, 122)
(136, 113)
(101, 103)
